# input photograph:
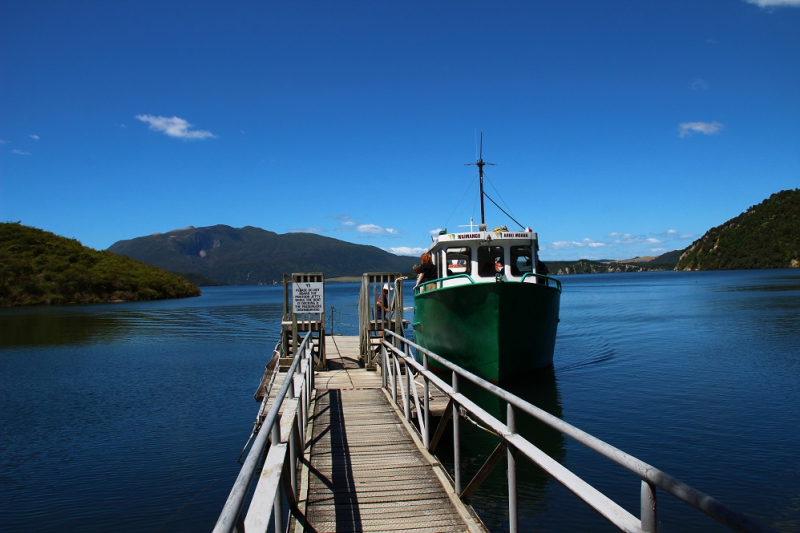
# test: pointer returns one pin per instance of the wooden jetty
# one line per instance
(364, 470)
(333, 450)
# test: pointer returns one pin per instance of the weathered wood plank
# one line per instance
(367, 472)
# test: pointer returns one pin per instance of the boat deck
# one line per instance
(364, 468)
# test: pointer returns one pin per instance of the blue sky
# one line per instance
(618, 128)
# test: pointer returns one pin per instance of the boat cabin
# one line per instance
(481, 256)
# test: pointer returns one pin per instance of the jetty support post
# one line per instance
(371, 322)
(511, 425)
(456, 439)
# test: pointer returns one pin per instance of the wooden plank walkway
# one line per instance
(364, 470)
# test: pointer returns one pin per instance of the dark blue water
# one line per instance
(130, 417)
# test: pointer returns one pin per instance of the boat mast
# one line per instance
(480, 163)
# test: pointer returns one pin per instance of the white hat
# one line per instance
(387, 287)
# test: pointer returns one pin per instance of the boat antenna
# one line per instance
(480, 164)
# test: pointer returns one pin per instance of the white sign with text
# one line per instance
(307, 297)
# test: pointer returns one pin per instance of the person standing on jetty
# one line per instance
(382, 307)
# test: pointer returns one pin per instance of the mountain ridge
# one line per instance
(251, 256)
(38, 267)
(766, 235)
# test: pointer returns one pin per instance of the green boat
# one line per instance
(493, 309)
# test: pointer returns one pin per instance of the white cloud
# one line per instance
(20, 152)
(707, 128)
(566, 245)
(774, 3)
(405, 250)
(175, 127)
(594, 244)
(436, 231)
(699, 84)
(370, 228)
(306, 230)
(3, 141)
(34, 137)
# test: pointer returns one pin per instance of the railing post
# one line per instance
(512, 472)
(384, 369)
(277, 505)
(277, 510)
(456, 440)
(648, 508)
(426, 438)
(390, 358)
(293, 461)
(407, 406)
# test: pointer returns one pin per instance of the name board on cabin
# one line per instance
(307, 297)
(519, 235)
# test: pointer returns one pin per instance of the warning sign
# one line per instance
(307, 297)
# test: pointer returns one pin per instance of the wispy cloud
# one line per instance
(306, 230)
(405, 250)
(3, 141)
(20, 152)
(34, 137)
(175, 127)
(707, 128)
(774, 3)
(622, 241)
(699, 84)
(374, 229)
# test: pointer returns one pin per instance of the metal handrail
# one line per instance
(230, 515)
(547, 279)
(439, 281)
(651, 477)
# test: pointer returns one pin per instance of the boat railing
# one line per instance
(439, 283)
(461, 279)
(396, 353)
(541, 278)
(285, 430)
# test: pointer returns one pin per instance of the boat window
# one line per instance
(487, 257)
(521, 260)
(458, 261)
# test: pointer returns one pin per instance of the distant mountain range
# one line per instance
(666, 261)
(251, 256)
(765, 236)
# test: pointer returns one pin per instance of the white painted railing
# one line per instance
(286, 433)
(396, 349)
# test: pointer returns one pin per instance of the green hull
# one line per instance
(497, 331)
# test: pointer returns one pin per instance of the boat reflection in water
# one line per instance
(477, 444)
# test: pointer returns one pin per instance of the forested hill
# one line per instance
(765, 236)
(249, 255)
(39, 267)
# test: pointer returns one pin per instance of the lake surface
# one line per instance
(130, 417)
